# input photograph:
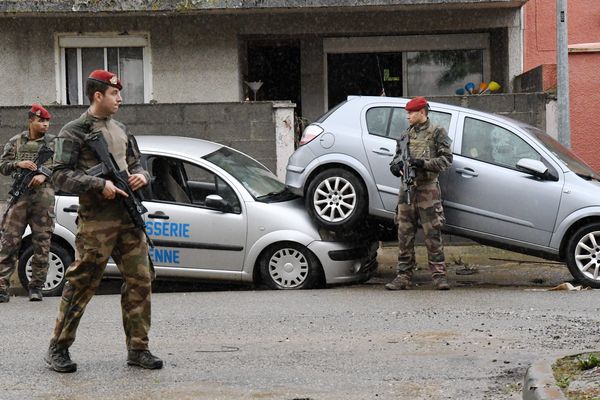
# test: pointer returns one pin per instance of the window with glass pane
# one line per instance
(490, 143)
(202, 183)
(442, 72)
(377, 120)
(126, 62)
(399, 123)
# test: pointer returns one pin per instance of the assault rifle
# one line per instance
(408, 171)
(24, 176)
(109, 169)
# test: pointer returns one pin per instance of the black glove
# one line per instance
(396, 169)
(417, 163)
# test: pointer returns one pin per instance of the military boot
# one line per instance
(144, 359)
(402, 281)
(59, 360)
(440, 282)
(4, 297)
(35, 294)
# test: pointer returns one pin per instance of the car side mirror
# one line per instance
(216, 202)
(535, 168)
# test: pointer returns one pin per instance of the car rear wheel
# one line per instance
(336, 199)
(59, 260)
(289, 266)
(583, 255)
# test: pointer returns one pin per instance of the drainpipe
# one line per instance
(562, 67)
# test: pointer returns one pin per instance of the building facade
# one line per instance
(584, 58)
(313, 53)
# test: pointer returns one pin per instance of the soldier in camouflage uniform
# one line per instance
(104, 228)
(35, 207)
(430, 154)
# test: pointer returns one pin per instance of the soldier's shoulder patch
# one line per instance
(66, 150)
(445, 140)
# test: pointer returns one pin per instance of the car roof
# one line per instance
(361, 101)
(180, 145)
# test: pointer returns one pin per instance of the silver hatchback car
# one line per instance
(216, 214)
(510, 185)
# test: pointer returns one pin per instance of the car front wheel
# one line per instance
(583, 255)
(336, 199)
(59, 260)
(289, 266)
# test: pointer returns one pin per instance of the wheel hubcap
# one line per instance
(587, 255)
(288, 268)
(335, 199)
(56, 271)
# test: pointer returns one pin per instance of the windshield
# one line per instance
(573, 162)
(259, 181)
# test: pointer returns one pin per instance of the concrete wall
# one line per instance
(70, 6)
(192, 60)
(259, 129)
(526, 107)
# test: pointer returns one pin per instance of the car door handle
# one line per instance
(383, 152)
(158, 215)
(72, 208)
(467, 172)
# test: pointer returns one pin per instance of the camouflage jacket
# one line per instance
(431, 144)
(20, 148)
(73, 157)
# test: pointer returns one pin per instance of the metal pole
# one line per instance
(562, 66)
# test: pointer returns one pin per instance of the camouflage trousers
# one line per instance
(98, 239)
(426, 207)
(36, 209)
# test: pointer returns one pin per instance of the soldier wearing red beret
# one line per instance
(429, 153)
(105, 228)
(34, 207)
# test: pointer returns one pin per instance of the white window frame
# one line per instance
(104, 39)
(403, 44)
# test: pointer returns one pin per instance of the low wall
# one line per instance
(526, 107)
(263, 130)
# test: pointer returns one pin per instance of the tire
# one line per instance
(59, 260)
(583, 255)
(336, 199)
(290, 266)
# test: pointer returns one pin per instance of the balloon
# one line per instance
(494, 86)
(470, 87)
(460, 91)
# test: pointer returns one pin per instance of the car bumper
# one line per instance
(346, 262)
(296, 170)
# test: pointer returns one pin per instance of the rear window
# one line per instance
(323, 117)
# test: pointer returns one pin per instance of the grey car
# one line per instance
(510, 185)
(216, 214)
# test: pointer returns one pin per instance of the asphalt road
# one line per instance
(351, 342)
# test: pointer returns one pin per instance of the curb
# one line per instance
(539, 382)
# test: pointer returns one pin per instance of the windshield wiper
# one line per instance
(273, 196)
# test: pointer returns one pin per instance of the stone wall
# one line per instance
(253, 127)
(526, 107)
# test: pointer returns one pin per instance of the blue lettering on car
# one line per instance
(164, 256)
(167, 229)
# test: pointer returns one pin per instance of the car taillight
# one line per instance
(310, 132)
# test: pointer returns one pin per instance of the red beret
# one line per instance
(416, 104)
(39, 111)
(106, 77)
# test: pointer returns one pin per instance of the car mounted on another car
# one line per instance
(216, 214)
(510, 185)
